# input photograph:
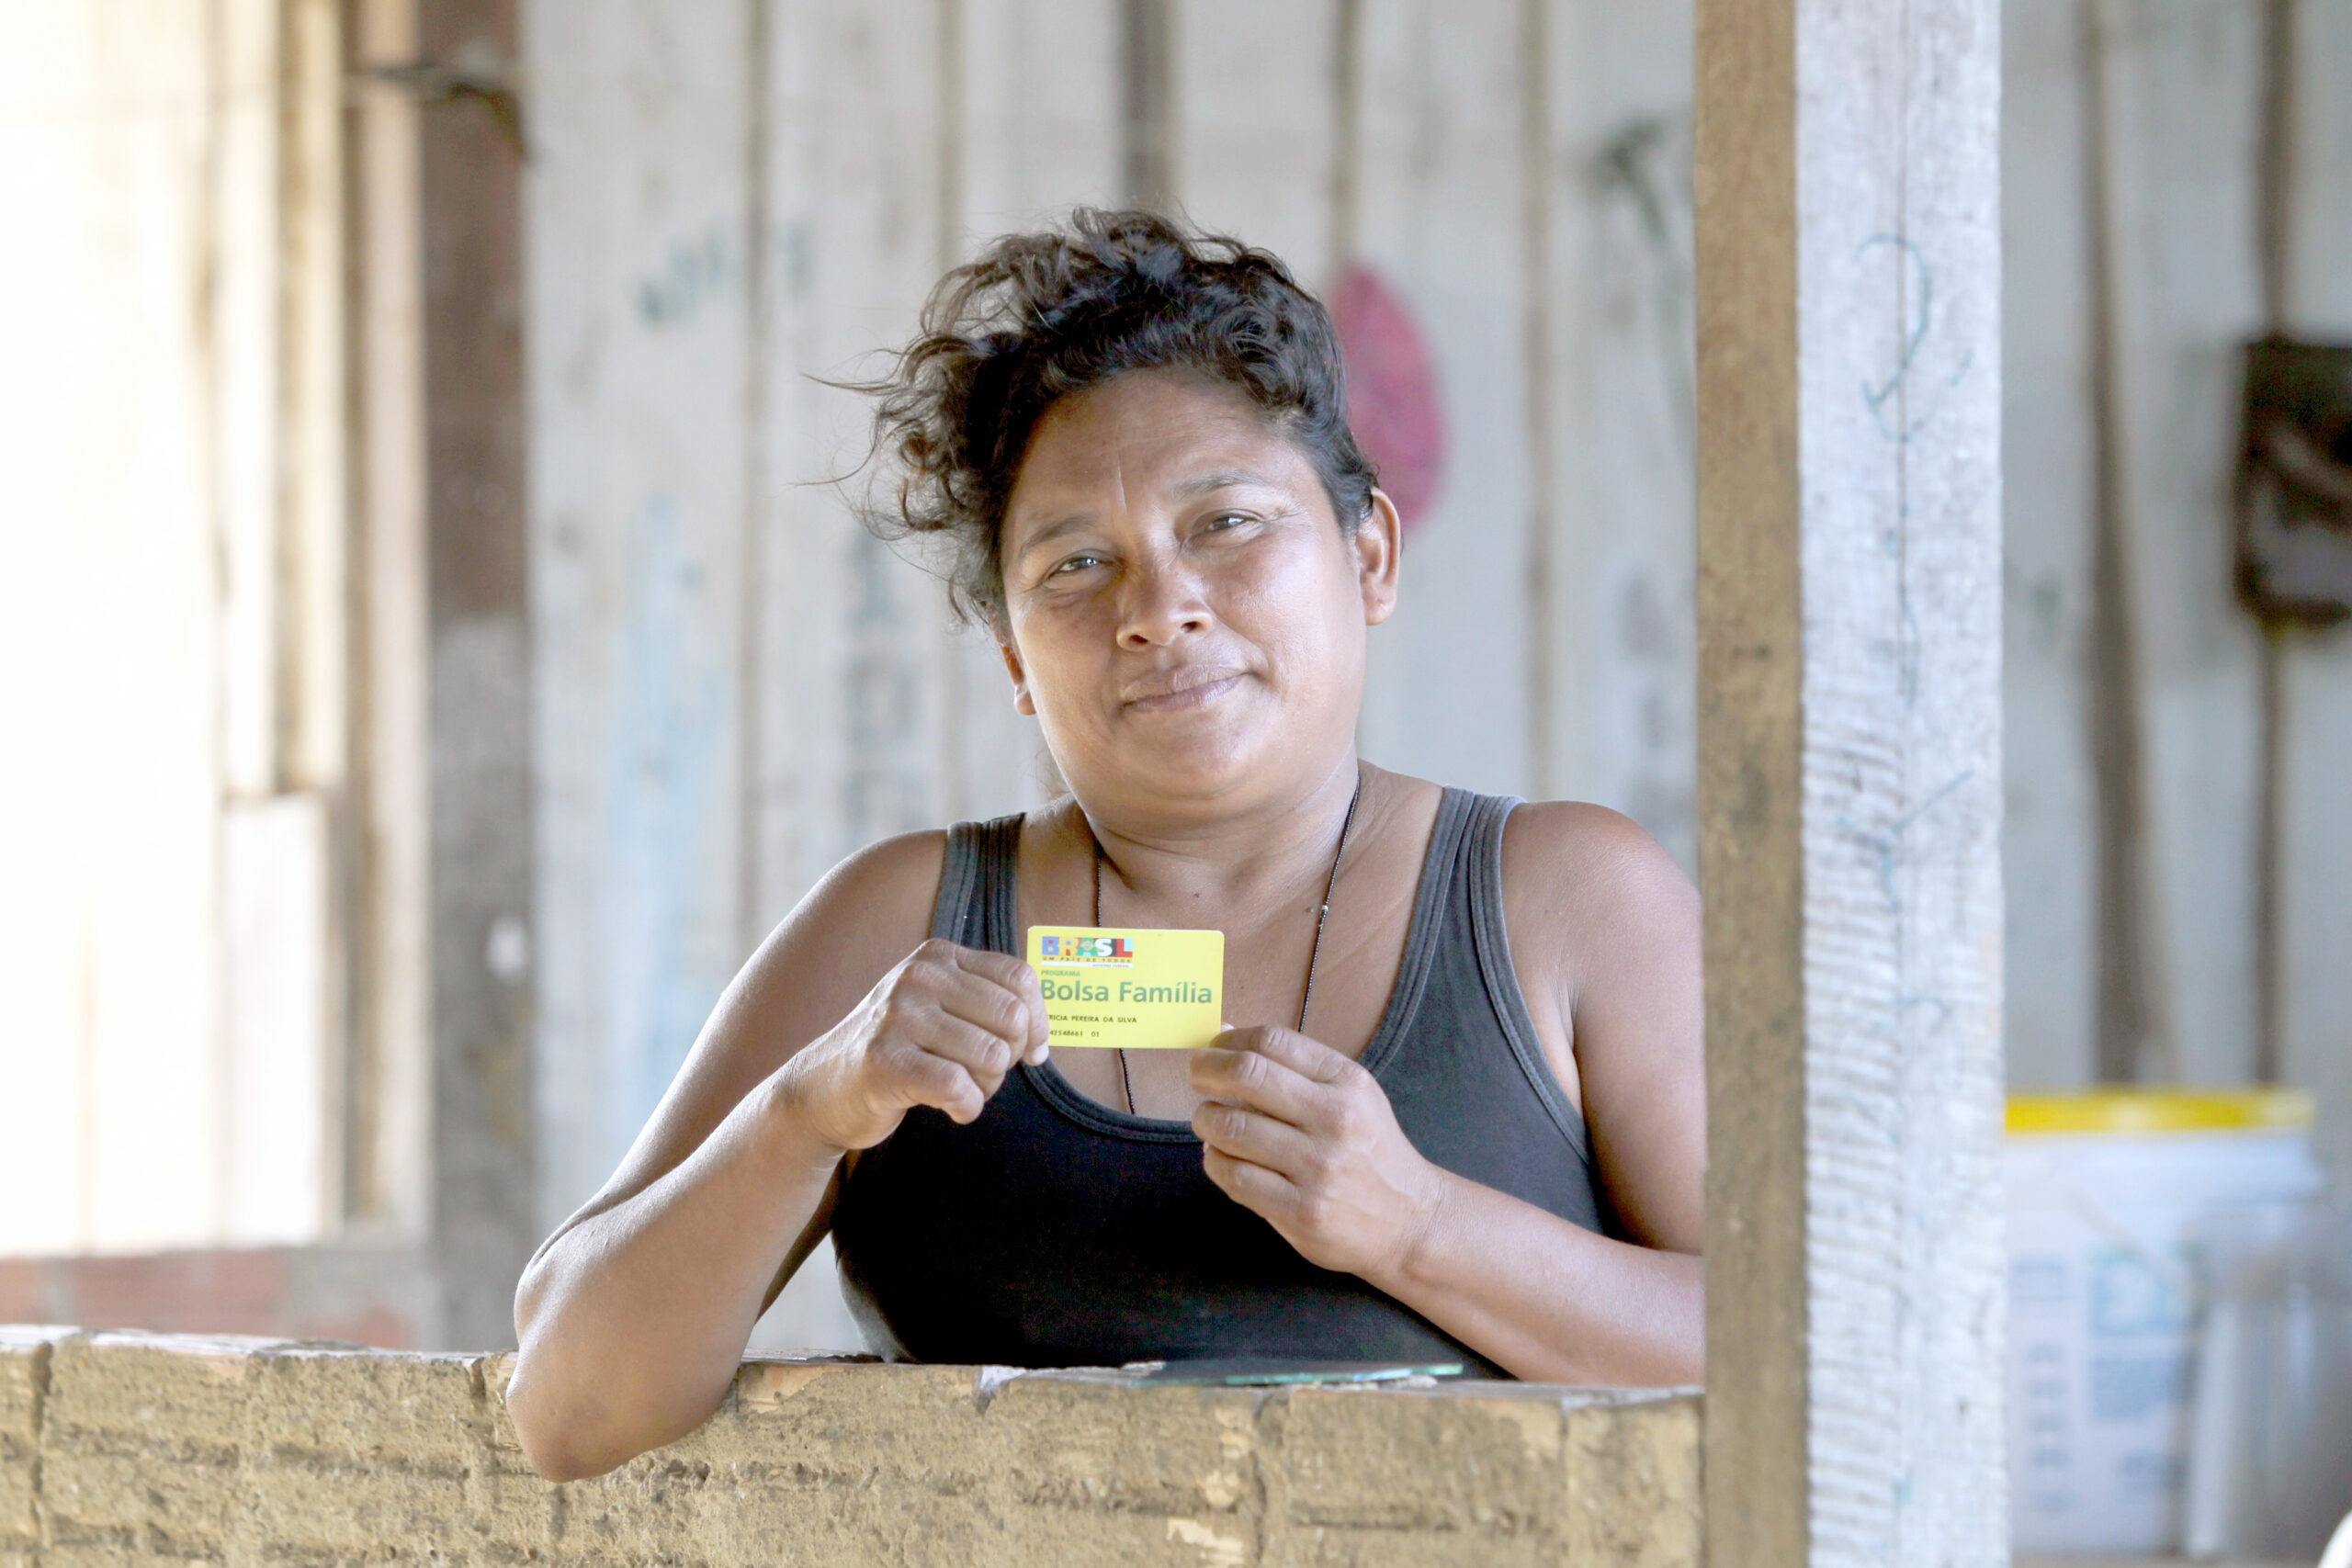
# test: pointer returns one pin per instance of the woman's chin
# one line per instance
(1206, 765)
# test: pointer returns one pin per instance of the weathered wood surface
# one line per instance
(482, 860)
(639, 339)
(388, 1089)
(1621, 712)
(174, 623)
(2181, 84)
(696, 782)
(1850, 777)
(2319, 676)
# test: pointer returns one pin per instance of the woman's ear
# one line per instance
(1021, 703)
(1379, 543)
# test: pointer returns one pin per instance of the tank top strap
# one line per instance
(975, 886)
(1489, 936)
(1426, 933)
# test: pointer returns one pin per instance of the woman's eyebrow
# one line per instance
(1217, 480)
(1186, 489)
(1047, 533)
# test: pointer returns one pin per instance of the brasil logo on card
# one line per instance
(1133, 990)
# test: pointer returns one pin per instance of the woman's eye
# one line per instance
(1224, 521)
(1075, 563)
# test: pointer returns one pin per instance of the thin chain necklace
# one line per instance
(1322, 914)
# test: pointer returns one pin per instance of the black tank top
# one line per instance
(1055, 1231)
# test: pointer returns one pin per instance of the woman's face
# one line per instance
(1184, 613)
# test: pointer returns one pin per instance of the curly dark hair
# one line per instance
(1038, 317)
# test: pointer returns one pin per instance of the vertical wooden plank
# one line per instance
(389, 1082)
(1850, 784)
(281, 1037)
(196, 377)
(639, 302)
(1040, 135)
(1751, 785)
(2188, 290)
(255, 550)
(1149, 131)
(1625, 636)
(1042, 106)
(314, 321)
(1255, 122)
(1539, 383)
(248, 404)
(2050, 827)
(852, 664)
(44, 928)
(275, 1150)
(869, 174)
(1441, 203)
(477, 708)
(313, 664)
(2318, 684)
(756, 56)
(1613, 642)
(108, 627)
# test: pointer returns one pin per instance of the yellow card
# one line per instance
(1135, 990)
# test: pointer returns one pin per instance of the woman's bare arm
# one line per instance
(633, 1317)
(1304, 1136)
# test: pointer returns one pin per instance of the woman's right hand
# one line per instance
(941, 1030)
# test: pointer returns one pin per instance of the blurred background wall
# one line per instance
(432, 652)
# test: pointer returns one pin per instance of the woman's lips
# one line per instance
(1179, 689)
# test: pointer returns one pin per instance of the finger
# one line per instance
(1309, 1058)
(1033, 1001)
(982, 1053)
(924, 1079)
(1253, 1137)
(1262, 1192)
(998, 969)
(982, 1003)
(1000, 993)
(1252, 1079)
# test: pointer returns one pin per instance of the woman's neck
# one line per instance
(1221, 872)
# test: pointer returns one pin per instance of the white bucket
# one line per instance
(2111, 1199)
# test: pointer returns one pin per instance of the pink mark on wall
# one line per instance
(1392, 402)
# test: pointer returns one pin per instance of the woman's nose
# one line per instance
(1160, 603)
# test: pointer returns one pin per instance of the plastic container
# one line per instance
(2114, 1200)
(2270, 1438)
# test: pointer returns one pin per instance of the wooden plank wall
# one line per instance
(738, 686)
(173, 624)
(2318, 982)
(2181, 80)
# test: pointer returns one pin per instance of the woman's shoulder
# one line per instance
(1550, 838)
(1565, 834)
(1577, 849)
(884, 893)
(1598, 884)
(893, 869)
(875, 901)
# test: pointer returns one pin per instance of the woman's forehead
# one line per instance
(1148, 437)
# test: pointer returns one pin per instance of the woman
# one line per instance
(1462, 1118)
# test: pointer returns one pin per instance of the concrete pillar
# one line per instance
(1850, 547)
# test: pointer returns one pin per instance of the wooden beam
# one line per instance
(1849, 517)
(1147, 104)
(478, 710)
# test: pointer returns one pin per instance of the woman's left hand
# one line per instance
(1305, 1137)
